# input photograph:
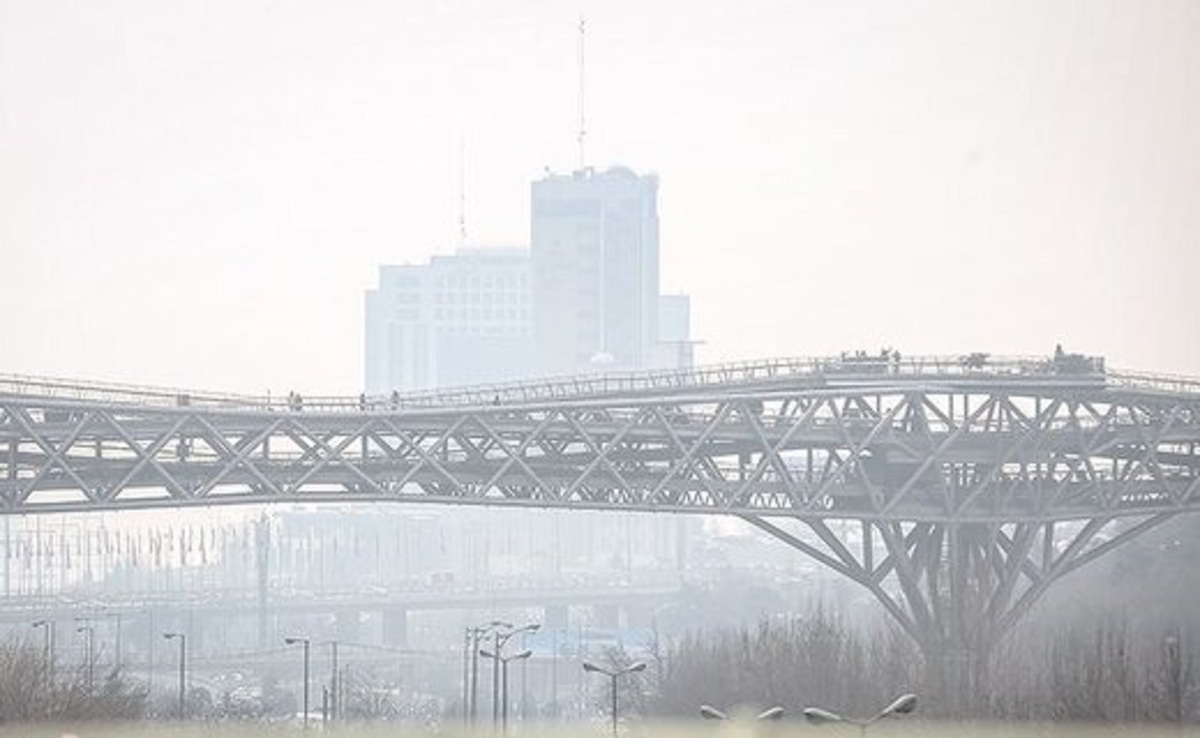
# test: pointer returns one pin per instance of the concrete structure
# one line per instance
(459, 320)
(594, 242)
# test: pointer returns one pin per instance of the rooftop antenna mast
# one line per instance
(582, 126)
(462, 191)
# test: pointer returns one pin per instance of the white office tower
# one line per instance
(595, 271)
(675, 345)
(461, 320)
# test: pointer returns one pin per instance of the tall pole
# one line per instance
(118, 641)
(474, 674)
(47, 649)
(333, 683)
(150, 656)
(182, 676)
(305, 683)
(305, 642)
(504, 711)
(524, 688)
(466, 677)
(87, 632)
(182, 638)
(613, 678)
(496, 680)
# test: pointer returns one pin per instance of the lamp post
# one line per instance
(292, 642)
(712, 713)
(88, 632)
(613, 675)
(47, 648)
(902, 705)
(501, 635)
(182, 638)
(1173, 648)
(471, 666)
(117, 617)
(333, 682)
(503, 661)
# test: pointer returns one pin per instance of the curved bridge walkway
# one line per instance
(977, 482)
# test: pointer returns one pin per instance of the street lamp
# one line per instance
(292, 642)
(182, 670)
(613, 675)
(1173, 648)
(503, 660)
(712, 713)
(471, 666)
(88, 632)
(47, 648)
(333, 682)
(501, 634)
(902, 705)
(117, 616)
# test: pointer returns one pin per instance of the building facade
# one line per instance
(675, 349)
(594, 246)
(460, 320)
(584, 298)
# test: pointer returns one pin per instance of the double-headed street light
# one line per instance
(902, 705)
(613, 675)
(712, 713)
(501, 633)
(471, 666)
(292, 642)
(182, 638)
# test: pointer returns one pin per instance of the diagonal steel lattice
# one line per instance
(971, 485)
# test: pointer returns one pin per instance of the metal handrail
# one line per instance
(820, 371)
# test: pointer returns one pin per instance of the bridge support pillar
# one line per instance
(395, 626)
(957, 588)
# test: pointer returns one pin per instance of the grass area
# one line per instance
(691, 729)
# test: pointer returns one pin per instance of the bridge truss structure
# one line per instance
(974, 484)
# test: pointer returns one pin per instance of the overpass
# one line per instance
(977, 482)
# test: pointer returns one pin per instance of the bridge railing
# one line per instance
(1173, 384)
(818, 371)
(112, 392)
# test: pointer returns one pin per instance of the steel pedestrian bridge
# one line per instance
(977, 481)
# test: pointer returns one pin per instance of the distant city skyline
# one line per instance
(199, 195)
(582, 298)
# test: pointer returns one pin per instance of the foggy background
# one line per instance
(197, 194)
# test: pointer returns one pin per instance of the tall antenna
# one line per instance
(462, 191)
(582, 127)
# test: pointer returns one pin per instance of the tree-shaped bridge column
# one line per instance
(957, 588)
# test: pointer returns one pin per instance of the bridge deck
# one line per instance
(829, 372)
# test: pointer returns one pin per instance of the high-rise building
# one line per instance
(459, 320)
(675, 344)
(594, 242)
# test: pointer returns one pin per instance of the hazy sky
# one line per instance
(199, 193)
